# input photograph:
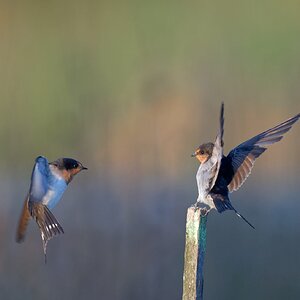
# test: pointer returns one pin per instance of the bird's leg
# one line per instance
(196, 205)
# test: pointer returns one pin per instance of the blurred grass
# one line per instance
(74, 74)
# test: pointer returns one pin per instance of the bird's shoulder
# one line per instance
(39, 179)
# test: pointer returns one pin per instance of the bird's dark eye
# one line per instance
(201, 152)
(70, 163)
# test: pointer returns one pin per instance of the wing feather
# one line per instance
(217, 153)
(39, 179)
(23, 222)
(243, 157)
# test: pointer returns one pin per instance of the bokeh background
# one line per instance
(131, 88)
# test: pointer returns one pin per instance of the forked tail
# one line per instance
(242, 217)
(222, 204)
(46, 221)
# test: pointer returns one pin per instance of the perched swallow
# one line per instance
(48, 183)
(219, 175)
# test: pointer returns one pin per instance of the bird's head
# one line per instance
(204, 152)
(68, 167)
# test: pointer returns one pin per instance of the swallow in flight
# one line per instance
(218, 175)
(48, 183)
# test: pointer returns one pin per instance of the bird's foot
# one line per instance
(196, 205)
(204, 211)
(204, 208)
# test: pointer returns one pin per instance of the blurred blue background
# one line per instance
(130, 89)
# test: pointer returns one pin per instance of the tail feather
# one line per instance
(23, 222)
(242, 217)
(51, 223)
(225, 204)
(46, 221)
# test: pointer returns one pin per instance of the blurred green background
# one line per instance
(130, 89)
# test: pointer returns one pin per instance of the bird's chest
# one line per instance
(56, 188)
(204, 177)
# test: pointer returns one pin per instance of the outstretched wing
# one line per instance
(242, 157)
(38, 188)
(217, 153)
(39, 179)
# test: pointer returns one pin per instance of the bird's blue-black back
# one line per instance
(219, 192)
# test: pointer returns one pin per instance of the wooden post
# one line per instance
(194, 254)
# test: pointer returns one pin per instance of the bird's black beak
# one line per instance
(194, 154)
(84, 168)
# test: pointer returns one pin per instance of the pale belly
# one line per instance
(54, 193)
(204, 177)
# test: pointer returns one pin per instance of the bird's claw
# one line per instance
(196, 205)
(204, 209)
